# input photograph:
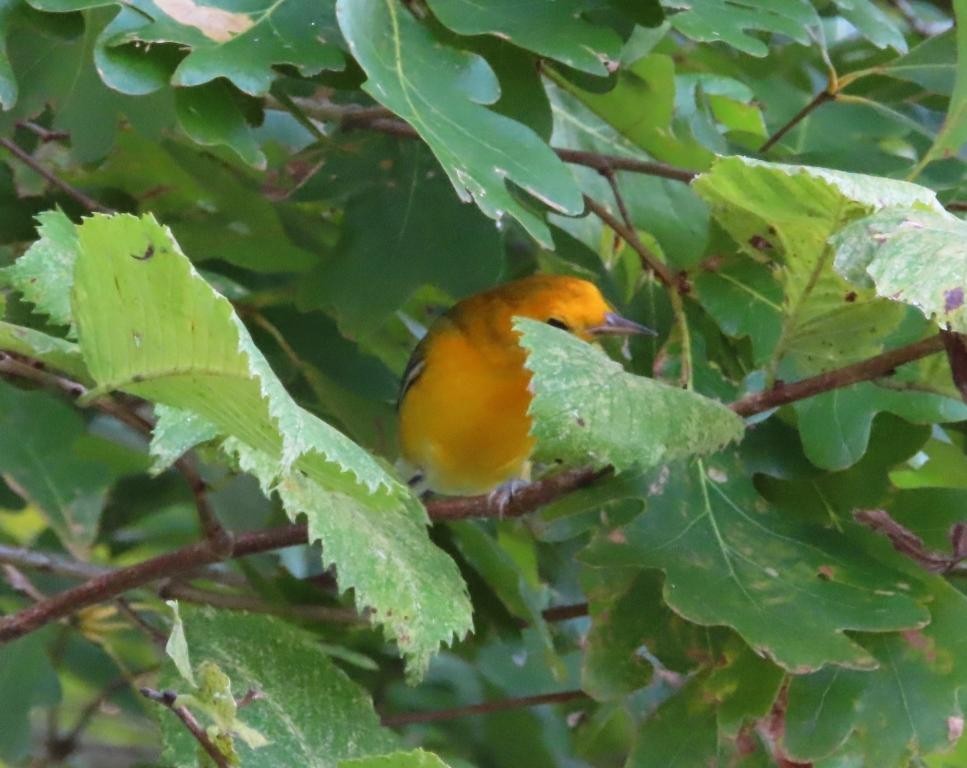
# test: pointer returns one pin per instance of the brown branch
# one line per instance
(45, 135)
(221, 540)
(906, 542)
(648, 259)
(956, 346)
(820, 98)
(957, 205)
(168, 699)
(865, 370)
(27, 159)
(501, 705)
(529, 498)
(565, 612)
(610, 163)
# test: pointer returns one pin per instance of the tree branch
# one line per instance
(27, 159)
(648, 259)
(820, 98)
(500, 705)
(908, 543)
(168, 698)
(865, 370)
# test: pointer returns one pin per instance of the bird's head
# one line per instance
(571, 304)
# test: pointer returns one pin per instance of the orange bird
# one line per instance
(464, 397)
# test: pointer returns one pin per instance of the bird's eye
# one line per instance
(558, 323)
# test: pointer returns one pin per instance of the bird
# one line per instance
(464, 395)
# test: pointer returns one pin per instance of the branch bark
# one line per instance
(865, 370)
(820, 98)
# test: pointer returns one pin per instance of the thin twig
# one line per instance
(908, 543)
(501, 705)
(27, 159)
(44, 134)
(956, 346)
(20, 584)
(355, 117)
(865, 370)
(93, 707)
(221, 540)
(957, 205)
(648, 259)
(168, 699)
(820, 98)
(154, 634)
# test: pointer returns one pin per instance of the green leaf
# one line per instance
(729, 21)
(552, 28)
(310, 713)
(44, 274)
(384, 555)
(587, 409)
(60, 354)
(953, 132)
(439, 90)
(745, 299)
(211, 116)
(417, 758)
(177, 646)
(791, 211)
(932, 64)
(872, 23)
(8, 83)
(150, 325)
(789, 591)
(40, 458)
(27, 680)
(409, 239)
(910, 255)
(898, 712)
(241, 42)
(175, 432)
(835, 426)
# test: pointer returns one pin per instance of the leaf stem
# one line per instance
(820, 98)
(168, 699)
(27, 159)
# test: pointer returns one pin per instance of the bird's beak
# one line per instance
(616, 325)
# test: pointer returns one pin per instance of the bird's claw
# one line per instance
(502, 496)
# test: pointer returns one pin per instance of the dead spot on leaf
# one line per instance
(916, 639)
(825, 572)
(214, 23)
(617, 537)
(955, 729)
(953, 299)
(850, 297)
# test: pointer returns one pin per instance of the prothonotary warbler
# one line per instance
(464, 396)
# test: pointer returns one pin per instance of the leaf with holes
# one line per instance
(587, 409)
(789, 212)
(791, 592)
(441, 91)
(910, 255)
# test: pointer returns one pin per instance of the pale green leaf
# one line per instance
(27, 679)
(409, 585)
(177, 646)
(60, 354)
(44, 274)
(440, 91)
(789, 212)
(310, 713)
(910, 255)
(175, 432)
(790, 591)
(588, 410)
(150, 325)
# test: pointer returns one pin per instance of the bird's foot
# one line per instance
(502, 496)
